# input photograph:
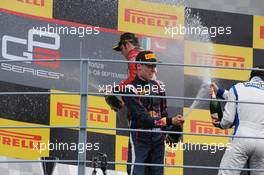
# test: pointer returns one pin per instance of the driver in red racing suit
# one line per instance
(129, 48)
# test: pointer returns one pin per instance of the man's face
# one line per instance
(146, 71)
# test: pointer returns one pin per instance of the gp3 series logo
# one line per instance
(33, 2)
(36, 50)
(149, 18)
(217, 60)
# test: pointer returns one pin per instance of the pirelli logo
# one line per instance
(150, 56)
(22, 140)
(261, 32)
(40, 3)
(205, 127)
(149, 18)
(65, 110)
(217, 60)
(124, 153)
(170, 158)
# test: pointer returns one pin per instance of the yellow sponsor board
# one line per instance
(199, 122)
(121, 153)
(173, 157)
(258, 36)
(28, 144)
(65, 111)
(148, 18)
(41, 8)
(209, 54)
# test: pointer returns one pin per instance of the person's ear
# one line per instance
(131, 45)
(125, 45)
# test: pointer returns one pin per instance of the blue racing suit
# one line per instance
(249, 121)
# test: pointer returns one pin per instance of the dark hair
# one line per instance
(259, 73)
(136, 43)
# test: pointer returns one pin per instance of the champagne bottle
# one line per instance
(215, 108)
